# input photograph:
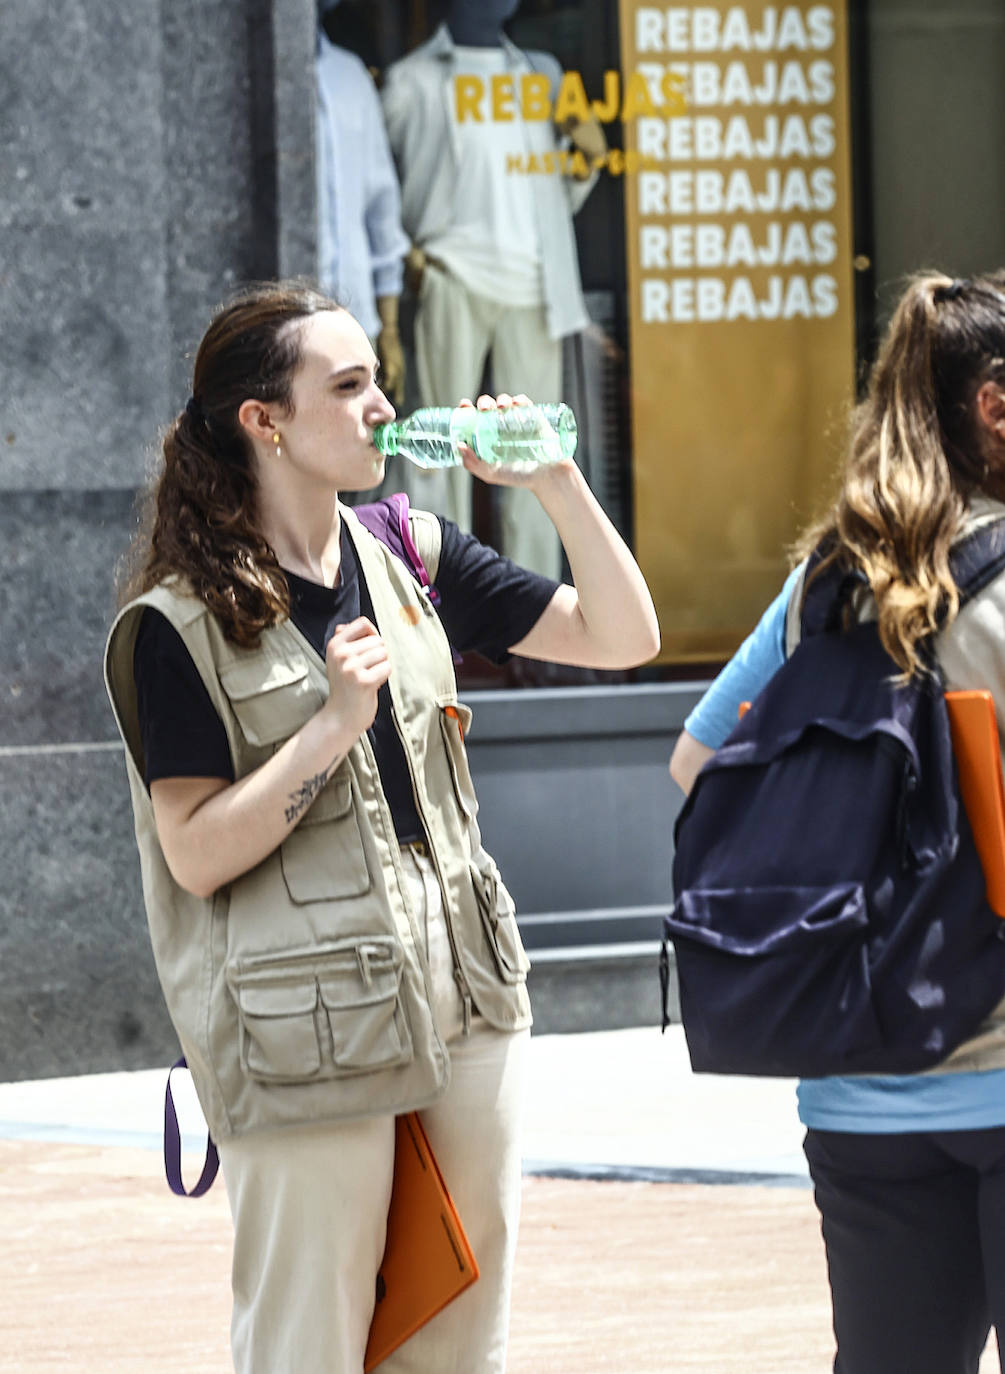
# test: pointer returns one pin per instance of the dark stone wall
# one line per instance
(153, 155)
(78, 990)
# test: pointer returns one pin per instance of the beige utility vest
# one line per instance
(300, 991)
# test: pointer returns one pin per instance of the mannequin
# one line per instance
(361, 244)
(493, 261)
(478, 25)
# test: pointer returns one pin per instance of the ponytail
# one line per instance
(202, 523)
(201, 519)
(915, 457)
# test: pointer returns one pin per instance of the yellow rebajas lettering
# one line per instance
(535, 96)
(571, 102)
(638, 98)
(469, 92)
(503, 107)
(607, 109)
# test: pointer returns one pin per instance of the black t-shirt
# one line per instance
(487, 603)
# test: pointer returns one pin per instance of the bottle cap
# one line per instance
(385, 438)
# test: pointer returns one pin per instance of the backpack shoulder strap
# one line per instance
(818, 599)
(427, 534)
(413, 536)
(974, 561)
(978, 558)
(793, 613)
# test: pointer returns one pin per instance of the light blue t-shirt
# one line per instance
(758, 658)
(875, 1105)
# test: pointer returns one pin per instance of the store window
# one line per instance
(644, 211)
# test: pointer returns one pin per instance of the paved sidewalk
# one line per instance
(668, 1225)
(604, 1104)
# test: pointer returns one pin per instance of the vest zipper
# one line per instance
(465, 991)
(459, 976)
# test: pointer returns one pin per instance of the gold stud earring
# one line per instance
(275, 440)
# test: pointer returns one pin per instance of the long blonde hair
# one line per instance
(915, 455)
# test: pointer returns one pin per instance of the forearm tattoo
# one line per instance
(301, 799)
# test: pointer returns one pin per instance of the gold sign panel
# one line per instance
(740, 301)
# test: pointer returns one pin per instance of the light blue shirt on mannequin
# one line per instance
(361, 244)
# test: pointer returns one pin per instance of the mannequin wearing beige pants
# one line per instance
(310, 1204)
(455, 332)
(502, 273)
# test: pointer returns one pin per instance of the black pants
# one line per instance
(914, 1227)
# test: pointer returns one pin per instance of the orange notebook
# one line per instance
(978, 761)
(427, 1259)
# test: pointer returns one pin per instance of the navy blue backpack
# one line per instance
(830, 913)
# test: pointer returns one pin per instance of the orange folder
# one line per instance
(427, 1259)
(978, 762)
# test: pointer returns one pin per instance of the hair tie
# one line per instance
(195, 412)
(954, 290)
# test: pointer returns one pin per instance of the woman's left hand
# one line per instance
(500, 474)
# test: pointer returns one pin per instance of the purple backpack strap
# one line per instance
(172, 1148)
(387, 520)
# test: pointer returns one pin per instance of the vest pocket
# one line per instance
(323, 858)
(498, 914)
(278, 1030)
(367, 1026)
(328, 1013)
(455, 721)
(271, 698)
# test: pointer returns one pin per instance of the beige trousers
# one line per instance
(310, 1203)
(455, 332)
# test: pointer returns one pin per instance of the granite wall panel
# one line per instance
(78, 988)
(140, 176)
(140, 166)
(293, 36)
(83, 336)
(58, 557)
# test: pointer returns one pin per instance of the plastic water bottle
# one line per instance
(519, 437)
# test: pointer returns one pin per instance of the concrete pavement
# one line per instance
(632, 1256)
(600, 1104)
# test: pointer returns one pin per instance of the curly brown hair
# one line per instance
(916, 454)
(200, 520)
